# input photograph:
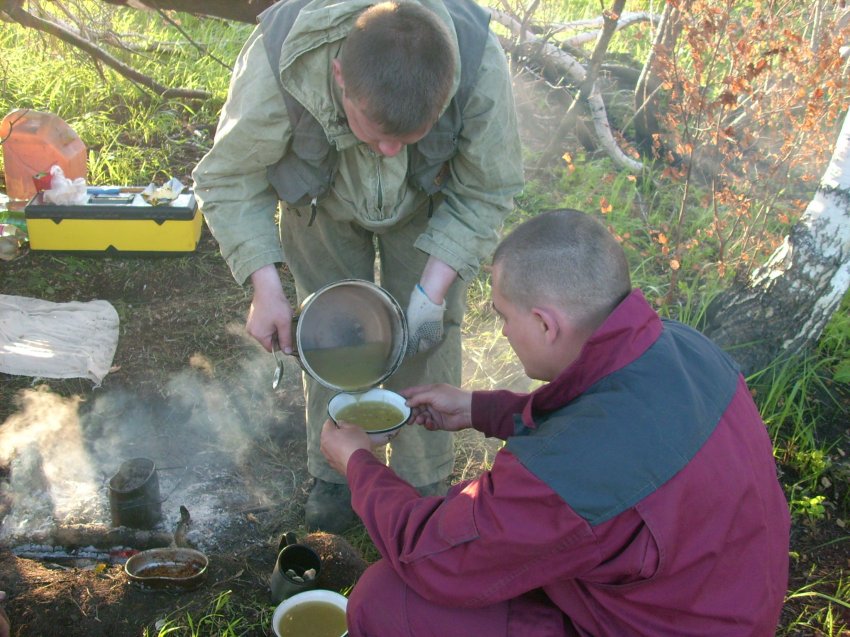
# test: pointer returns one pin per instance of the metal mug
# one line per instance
(134, 498)
(293, 562)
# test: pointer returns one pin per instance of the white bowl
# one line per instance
(377, 436)
(316, 595)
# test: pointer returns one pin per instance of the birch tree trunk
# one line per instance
(784, 306)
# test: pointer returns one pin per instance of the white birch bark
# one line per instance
(827, 220)
(626, 20)
(782, 309)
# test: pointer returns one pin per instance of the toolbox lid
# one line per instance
(124, 203)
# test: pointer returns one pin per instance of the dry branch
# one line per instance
(239, 10)
(16, 13)
(626, 20)
(572, 68)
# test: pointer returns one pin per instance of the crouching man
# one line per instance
(636, 493)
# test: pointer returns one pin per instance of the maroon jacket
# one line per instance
(638, 490)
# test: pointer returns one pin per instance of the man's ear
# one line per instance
(336, 67)
(549, 323)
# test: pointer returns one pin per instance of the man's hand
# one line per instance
(424, 321)
(339, 442)
(440, 407)
(270, 315)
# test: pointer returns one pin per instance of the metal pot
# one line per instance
(290, 575)
(350, 335)
(134, 499)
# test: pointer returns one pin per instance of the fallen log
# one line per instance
(569, 67)
(99, 536)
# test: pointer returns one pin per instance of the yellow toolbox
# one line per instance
(115, 220)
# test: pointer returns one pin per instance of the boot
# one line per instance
(329, 509)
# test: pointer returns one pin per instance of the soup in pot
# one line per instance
(350, 367)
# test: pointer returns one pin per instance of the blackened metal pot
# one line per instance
(134, 498)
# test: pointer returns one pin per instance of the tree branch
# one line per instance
(16, 13)
(188, 37)
(626, 20)
(572, 68)
(239, 10)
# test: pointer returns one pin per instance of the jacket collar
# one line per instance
(624, 336)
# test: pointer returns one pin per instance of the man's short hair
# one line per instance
(398, 65)
(565, 258)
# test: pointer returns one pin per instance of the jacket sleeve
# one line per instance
(494, 412)
(230, 181)
(485, 175)
(488, 540)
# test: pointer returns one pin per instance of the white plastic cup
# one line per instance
(316, 595)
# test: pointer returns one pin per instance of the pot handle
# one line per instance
(287, 539)
(278, 357)
(278, 354)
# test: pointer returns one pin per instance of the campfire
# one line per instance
(129, 472)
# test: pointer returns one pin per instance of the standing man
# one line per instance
(636, 494)
(385, 129)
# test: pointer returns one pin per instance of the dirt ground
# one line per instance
(48, 599)
(188, 389)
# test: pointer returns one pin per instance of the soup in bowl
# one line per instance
(380, 412)
(319, 613)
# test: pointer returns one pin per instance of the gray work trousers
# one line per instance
(330, 250)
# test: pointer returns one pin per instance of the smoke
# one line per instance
(204, 433)
(223, 444)
(49, 470)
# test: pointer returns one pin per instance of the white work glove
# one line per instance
(424, 322)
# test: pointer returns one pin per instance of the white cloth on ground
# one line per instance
(57, 340)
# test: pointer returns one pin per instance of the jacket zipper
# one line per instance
(380, 185)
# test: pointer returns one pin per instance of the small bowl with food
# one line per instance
(380, 412)
(167, 568)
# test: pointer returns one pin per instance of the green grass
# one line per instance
(824, 610)
(222, 618)
(135, 137)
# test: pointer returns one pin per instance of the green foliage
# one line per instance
(834, 345)
(640, 213)
(796, 397)
(811, 508)
(221, 618)
(133, 135)
(825, 607)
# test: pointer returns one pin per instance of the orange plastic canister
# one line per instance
(34, 141)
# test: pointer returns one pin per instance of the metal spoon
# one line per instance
(278, 356)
